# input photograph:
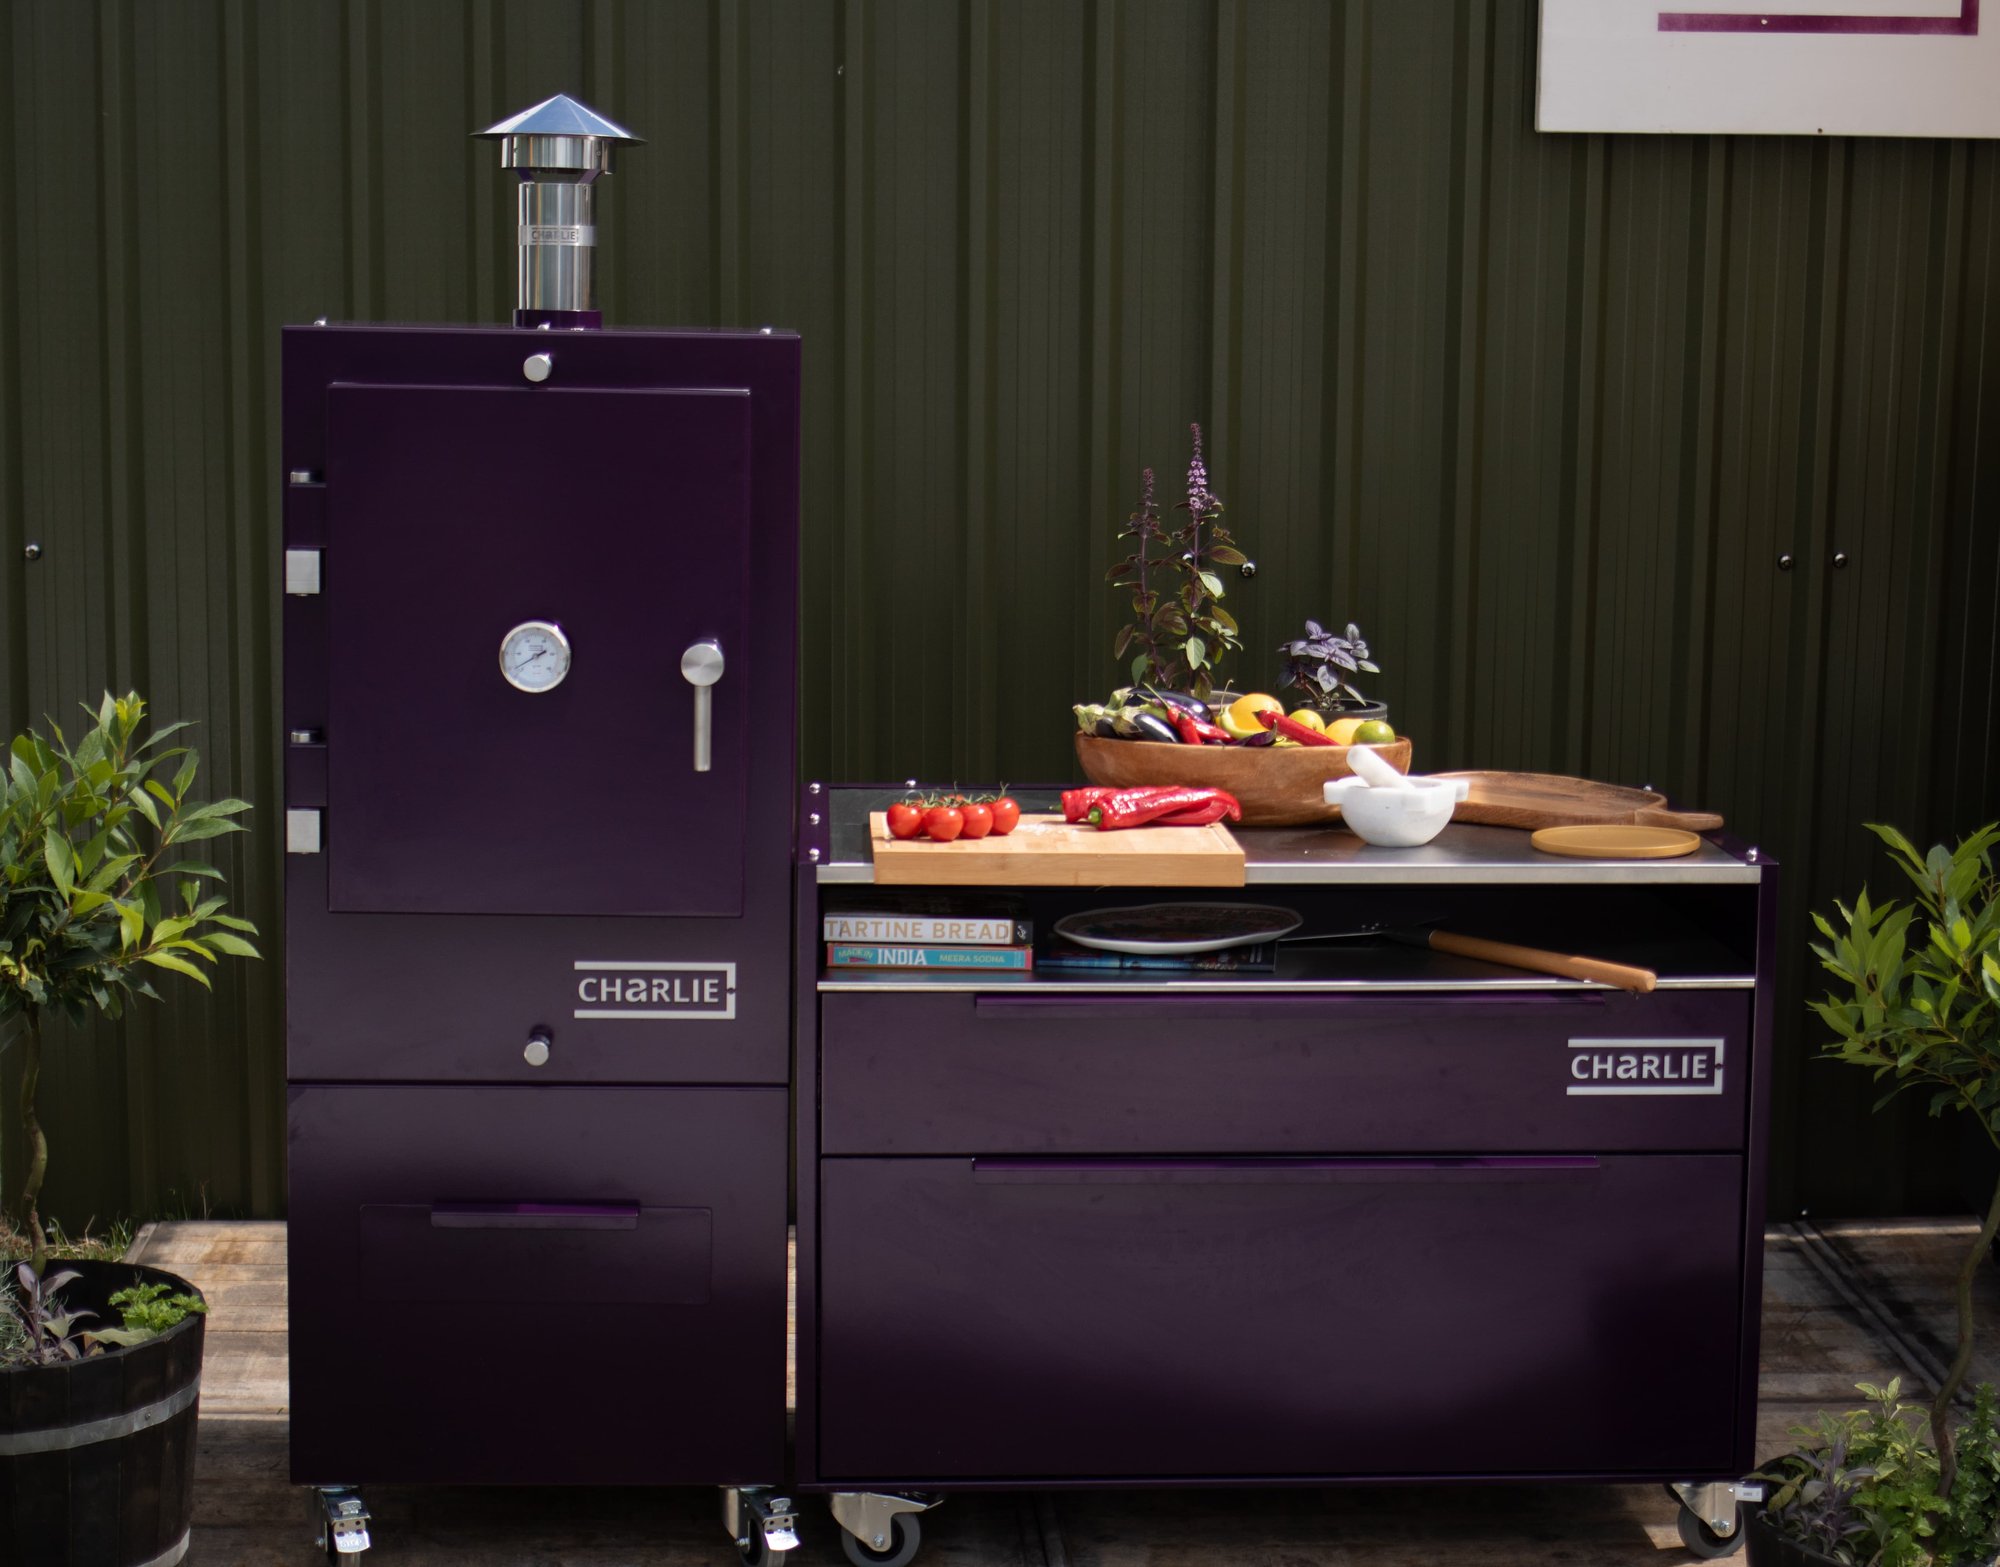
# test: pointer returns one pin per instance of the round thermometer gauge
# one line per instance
(534, 656)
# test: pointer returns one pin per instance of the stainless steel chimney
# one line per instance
(558, 148)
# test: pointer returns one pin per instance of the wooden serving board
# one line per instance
(1546, 800)
(1046, 851)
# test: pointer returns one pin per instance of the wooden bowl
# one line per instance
(1277, 786)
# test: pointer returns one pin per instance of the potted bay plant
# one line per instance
(1917, 1003)
(100, 1362)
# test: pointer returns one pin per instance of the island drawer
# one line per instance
(905, 1072)
(1278, 1318)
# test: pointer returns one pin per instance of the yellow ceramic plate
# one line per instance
(1616, 843)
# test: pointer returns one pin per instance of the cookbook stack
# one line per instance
(944, 942)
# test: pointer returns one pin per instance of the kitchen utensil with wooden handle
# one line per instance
(1536, 959)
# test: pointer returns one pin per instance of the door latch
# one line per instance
(701, 667)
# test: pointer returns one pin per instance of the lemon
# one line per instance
(1374, 731)
(1341, 730)
(1310, 719)
(1239, 718)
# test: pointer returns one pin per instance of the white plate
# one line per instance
(1167, 929)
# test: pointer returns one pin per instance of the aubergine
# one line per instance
(1132, 724)
(1185, 701)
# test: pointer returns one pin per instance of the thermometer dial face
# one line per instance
(534, 656)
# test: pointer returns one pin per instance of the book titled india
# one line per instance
(941, 930)
(851, 955)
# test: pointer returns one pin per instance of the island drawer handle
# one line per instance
(1358, 1170)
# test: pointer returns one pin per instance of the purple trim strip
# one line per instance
(1964, 25)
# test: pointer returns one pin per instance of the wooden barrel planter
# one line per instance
(97, 1455)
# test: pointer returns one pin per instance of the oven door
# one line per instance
(451, 790)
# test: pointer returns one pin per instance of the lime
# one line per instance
(1373, 731)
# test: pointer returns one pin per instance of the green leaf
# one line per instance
(132, 926)
(166, 930)
(161, 792)
(185, 776)
(1197, 652)
(233, 923)
(193, 831)
(1212, 582)
(62, 868)
(145, 807)
(167, 960)
(1139, 667)
(235, 946)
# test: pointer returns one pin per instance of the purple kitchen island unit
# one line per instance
(1384, 1214)
(540, 692)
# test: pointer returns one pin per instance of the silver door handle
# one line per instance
(701, 667)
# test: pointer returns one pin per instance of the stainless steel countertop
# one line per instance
(1332, 856)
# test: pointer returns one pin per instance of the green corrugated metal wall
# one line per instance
(1540, 412)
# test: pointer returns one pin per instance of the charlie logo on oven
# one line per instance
(605, 988)
(1645, 1066)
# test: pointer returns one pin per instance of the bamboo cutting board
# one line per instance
(1046, 851)
(1547, 800)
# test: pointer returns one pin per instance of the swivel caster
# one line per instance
(763, 1524)
(880, 1529)
(1710, 1520)
(340, 1520)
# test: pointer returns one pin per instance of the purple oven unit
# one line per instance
(540, 639)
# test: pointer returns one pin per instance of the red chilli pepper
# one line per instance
(1292, 729)
(1224, 804)
(1137, 807)
(1198, 731)
(1077, 802)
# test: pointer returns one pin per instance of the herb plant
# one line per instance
(1865, 1487)
(1920, 1008)
(1179, 628)
(45, 1333)
(95, 895)
(1321, 663)
(147, 1311)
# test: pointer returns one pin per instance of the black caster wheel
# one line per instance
(907, 1537)
(758, 1552)
(1703, 1541)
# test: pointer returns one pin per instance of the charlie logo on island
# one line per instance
(608, 988)
(1645, 1066)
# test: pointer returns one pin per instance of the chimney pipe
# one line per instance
(558, 149)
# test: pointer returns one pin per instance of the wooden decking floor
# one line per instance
(1843, 1303)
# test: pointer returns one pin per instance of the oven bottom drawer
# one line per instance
(538, 1285)
(1055, 1319)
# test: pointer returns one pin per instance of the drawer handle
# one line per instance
(1107, 1009)
(1265, 1172)
(535, 1216)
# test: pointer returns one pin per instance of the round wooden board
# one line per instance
(1616, 843)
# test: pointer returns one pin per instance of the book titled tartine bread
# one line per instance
(927, 930)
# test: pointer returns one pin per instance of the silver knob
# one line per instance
(1785, 562)
(701, 667)
(537, 1051)
(31, 550)
(538, 367)
(1839, 560)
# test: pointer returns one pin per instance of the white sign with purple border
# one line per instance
(1789, 67)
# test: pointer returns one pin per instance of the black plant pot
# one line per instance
(97, 1455)
(1765, 1547)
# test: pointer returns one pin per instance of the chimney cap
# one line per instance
(561, 115)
